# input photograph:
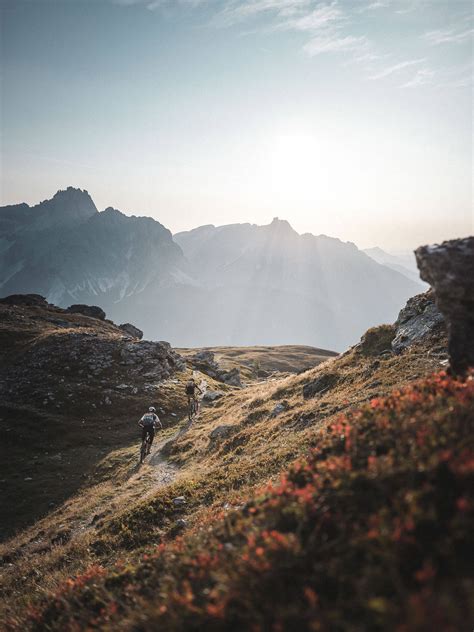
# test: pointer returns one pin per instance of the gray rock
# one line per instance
(131, 330)
(279, 408)
(181, 523)
(231, 377)
(222, 432)
(211, 396)
(179, 501)
(449, 269)
(416, 321)
(320, 385)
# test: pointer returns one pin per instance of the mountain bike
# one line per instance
(146, 444)
(193, 407)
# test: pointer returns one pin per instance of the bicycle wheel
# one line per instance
(143, 451)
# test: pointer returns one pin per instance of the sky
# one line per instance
(348, 118)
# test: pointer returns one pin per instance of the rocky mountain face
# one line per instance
(233, 285)
(66, 250)
(265, 284)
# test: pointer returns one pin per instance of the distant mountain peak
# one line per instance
(282, 226)
(73, 203)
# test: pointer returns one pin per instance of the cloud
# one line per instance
(396, 68)
(335, 44)
(323, 16)
(234, 13)
(422, 77)
(378, 4)
(448, 36)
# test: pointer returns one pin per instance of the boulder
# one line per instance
(231, 377)
(87, 310)
(204, 361)
(222, 432)
(320, 385)
(416, 321)
(449, 269)
(211, 396)
(132, 331)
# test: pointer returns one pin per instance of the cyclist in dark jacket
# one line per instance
(148, 423)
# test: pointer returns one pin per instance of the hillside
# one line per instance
(235, 285)
(211, 534)
(72, 387)
(259, 362)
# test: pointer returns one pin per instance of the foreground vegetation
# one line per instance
(369, 531)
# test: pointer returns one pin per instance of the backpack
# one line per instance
(190, 388)
(148, 420)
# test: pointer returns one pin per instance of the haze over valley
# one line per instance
(240, 284)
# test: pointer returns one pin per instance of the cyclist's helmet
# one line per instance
(152, 409)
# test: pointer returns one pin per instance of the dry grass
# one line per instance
(118, 513)
(280, 358)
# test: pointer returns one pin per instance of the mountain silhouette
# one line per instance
(239, 284)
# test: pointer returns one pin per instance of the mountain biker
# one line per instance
(191, 388)
(149, 422)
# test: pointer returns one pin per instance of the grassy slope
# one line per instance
(283, 358)
(370, 531)
(213, 475)
(48, 453)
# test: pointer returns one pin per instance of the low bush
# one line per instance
(371, 531)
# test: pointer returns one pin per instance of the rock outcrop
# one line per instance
(57, 360)
(87, 310)
(417, 320)
(27, 300)
(131, 330)
(204, 361)
(449, 269)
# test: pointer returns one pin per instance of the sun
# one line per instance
(294, 160)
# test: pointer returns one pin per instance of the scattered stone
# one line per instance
(181, 523)
(449, 269)
(28, 478)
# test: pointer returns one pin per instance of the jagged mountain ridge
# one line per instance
(240, 284)
(67, 251)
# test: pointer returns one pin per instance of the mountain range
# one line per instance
(239, 284)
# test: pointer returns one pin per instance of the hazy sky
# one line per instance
(349, 118)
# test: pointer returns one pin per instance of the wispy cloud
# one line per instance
(422, 77)
(390, 70)
(233, 13)
(377, 4)
(335, 44)
(321, 17)
(447, 36)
